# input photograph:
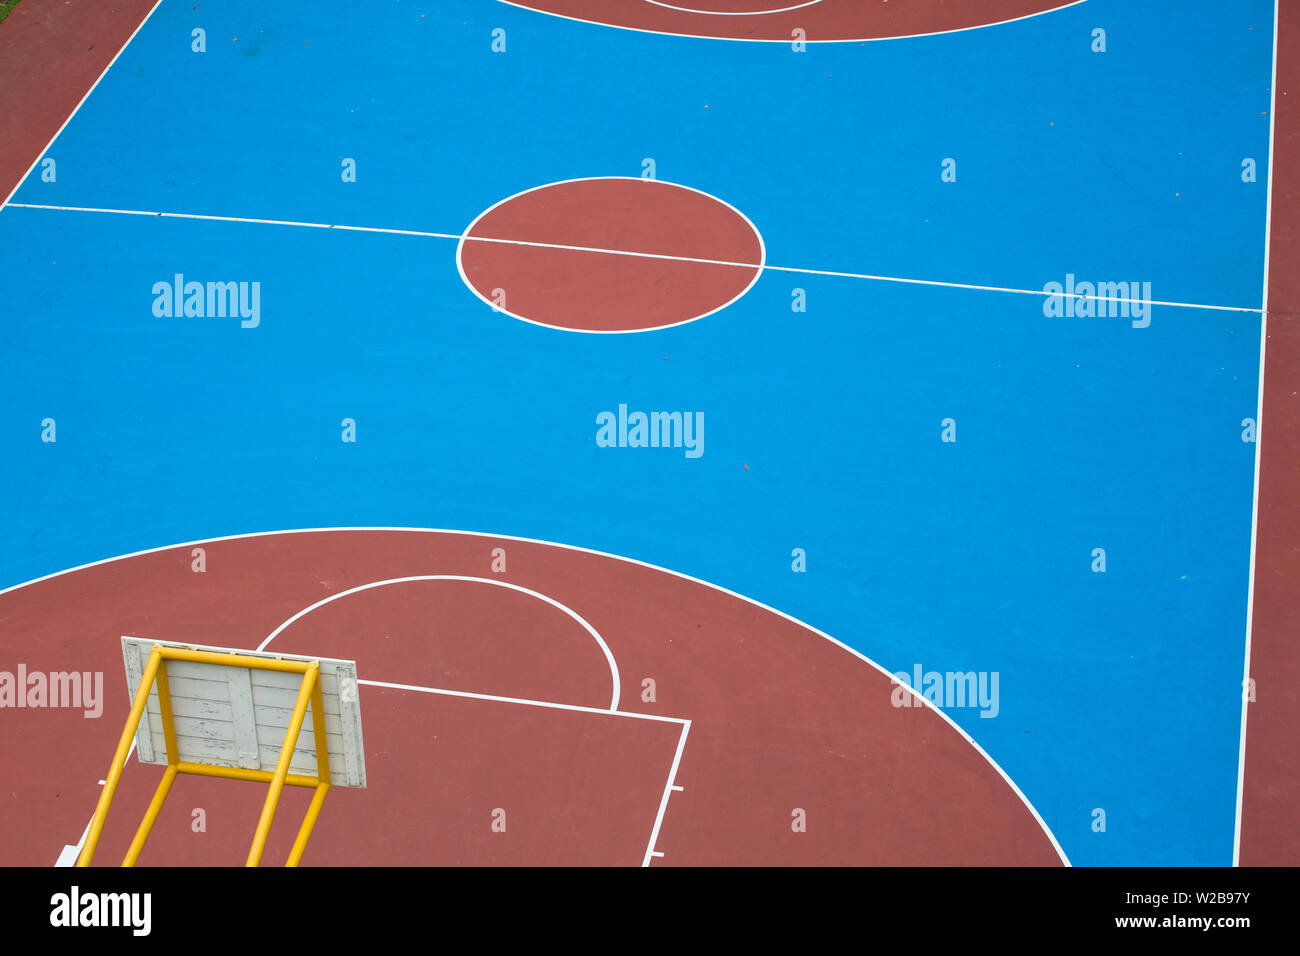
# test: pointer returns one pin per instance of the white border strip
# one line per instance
(696, 36)
(609, 655)
(763, 266)
(80, 103)
(921, 701)
(1259, 438)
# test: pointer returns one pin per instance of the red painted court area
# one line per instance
(1271, 761)
(667, 255)
(755, 716)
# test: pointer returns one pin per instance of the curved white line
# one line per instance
(922, 701)
(733, 13)
(759, 269)
(696, 36)
(609, 655)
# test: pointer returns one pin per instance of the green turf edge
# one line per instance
(5, 7)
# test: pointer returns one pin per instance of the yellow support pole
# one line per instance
(237, 660)
(308, 824)
(169, 777)
(282, 765)
(155, 674)
(165, 709)
(119, 759)
(241, 773)
(322, 774)
(142, 834)
(318, 732)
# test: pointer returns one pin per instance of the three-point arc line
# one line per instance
(755, 266)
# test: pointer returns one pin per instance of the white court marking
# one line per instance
(68, 856)
(732, 13)
(668, 792)
(694, 36)
(80, 104)
(669, 788)
(527, 701)
(467, 237)
(600, 641)
(763, 266)
(609, 658)
(1259, 438)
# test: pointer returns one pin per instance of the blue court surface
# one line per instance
(827, 429)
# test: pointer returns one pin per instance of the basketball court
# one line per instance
(718, 433)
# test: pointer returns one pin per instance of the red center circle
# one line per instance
(733, 7)
(611, 255)
(777, 20)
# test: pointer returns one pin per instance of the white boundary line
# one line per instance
(526, 701)
(762, 267)
(694, 36)
(920, 700)
(80, 103)
(731, 13)
(271, 222)
(609, 655)
(650, 850)
(758, 268)
(1259, 438)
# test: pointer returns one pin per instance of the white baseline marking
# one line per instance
(760, 266)
(77, 108)
(609, 655)
(668, 792)
(1259, 438)
(919, 699)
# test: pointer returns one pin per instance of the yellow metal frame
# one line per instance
(156, 672)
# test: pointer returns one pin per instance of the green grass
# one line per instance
(5, 7)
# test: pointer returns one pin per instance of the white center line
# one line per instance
(642, 255)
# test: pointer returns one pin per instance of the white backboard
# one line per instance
(238, 716)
